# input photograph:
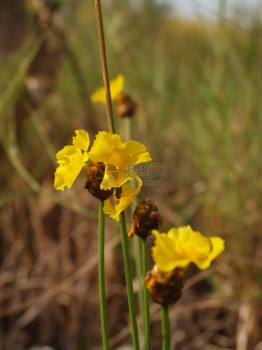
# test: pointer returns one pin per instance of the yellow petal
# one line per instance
(81, 140)
(59, 182)
(111, 178)
(218, 246)
(71, 159)
(129, 190)
(109, 209)
(135, 152)
(104, 146)
(66, 174)
(63, 156)
(116, 86)
(164, 253)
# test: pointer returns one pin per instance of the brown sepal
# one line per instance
(126, 106)
(95, 174)
(165, 288)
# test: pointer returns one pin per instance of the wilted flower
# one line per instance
(145, 218)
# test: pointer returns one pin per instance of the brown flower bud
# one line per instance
(145, 218)
(95, 174)
(126, 106)
(165, 288)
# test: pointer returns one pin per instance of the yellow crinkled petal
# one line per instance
(135, 152)
(71, 159)
(116, 86)
(66, 174)
(126, 198)
(164, 253)
(116, 176)
(191, 243)
(182, 245)
(218, 246)
(104, 146)
(63, 156)
(81, 140)
(111, 178)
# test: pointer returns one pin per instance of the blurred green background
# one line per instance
(198, 86)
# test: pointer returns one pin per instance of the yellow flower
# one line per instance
(128, 191)
(181, 246)
(119, 158)
(116, 86)
(71, 159)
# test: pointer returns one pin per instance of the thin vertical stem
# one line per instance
(128, 128)
(129, 285)
(146, 296)
(101, 273)
(165, 328)
(136, 248)
(102, 48)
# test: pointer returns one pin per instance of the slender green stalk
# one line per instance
(101, 270)
(165, 328)
(102, 47)
(129, 285)
(128, 128)
(146, 317)
(136, 248)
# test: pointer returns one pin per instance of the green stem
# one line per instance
(146, 317)
(165, 328)
(129, 285)
(136, 255)
(136, 248)
(128, 128)
(101, 272)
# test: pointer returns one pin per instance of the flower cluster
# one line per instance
(118, 159)
(111, 177)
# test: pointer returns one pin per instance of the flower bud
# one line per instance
(145, 218)
(95, 175)
(126, 106)
(165, 288)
